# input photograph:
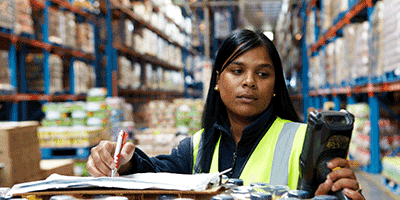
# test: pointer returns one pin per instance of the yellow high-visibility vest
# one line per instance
(275, 160)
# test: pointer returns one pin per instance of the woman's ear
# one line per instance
(217, 79)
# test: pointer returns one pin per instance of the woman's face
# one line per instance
(246, 85)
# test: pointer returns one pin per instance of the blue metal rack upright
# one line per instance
(307, 101)
(109, 50)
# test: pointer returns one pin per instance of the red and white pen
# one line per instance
(122, 136)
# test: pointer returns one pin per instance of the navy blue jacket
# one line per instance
(181, 158)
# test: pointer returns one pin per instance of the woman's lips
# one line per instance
(247, 98)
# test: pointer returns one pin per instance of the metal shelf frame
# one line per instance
(321, 95)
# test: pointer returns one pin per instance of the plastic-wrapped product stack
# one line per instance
(362, 63)
(7, 14)
(339, 61)
(391, 36)
(55, 25)
(70, 30)
(377, 40)
(330, 63)
(349, 37)
(124, 66)
(56, 74)
(23, 17)
(5, 76)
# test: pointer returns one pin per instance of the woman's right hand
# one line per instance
(101, 159)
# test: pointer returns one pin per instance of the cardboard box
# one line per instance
(17, 135)
(19, 152)
(58, 166)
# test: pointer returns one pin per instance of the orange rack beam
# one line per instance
(346, 20)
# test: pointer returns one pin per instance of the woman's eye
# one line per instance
(237, 71)
(263, 74)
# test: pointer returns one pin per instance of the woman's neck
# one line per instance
(237, 126)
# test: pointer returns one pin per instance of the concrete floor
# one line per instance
(372, 186)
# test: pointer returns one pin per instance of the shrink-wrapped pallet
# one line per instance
(339, 61)
(362, 63)
(391, 35)
(23, 17)
(7, 14)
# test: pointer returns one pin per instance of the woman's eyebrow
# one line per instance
(267, 65)
(264, 65)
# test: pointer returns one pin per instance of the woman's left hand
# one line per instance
(341, 179)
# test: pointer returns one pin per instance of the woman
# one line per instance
(248, 114)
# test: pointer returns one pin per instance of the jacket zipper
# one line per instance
(233, 163)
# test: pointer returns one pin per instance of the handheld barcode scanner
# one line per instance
(327, 137)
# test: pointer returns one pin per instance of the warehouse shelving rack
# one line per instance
(112, 9)
(17, 46)
(367, 89)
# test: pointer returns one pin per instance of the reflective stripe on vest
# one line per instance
(283, 140)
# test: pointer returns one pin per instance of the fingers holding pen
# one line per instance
(100, 161)
(127, 152)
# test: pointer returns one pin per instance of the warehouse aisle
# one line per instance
(373, 188)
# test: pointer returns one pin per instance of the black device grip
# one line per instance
(323, 171)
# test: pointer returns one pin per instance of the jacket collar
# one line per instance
(252, 133)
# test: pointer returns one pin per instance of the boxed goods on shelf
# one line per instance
(124, 72)
(20, 155)
(310, 34)
(23, 17)
(317, 75)
(362, 62)
(69, 36)
(377, 40)
(101, 22)
(135, 82)
(156, 141)
(349, 37)
(338, 9)
(57, 114)
(361, 139)
(391, 56)
(326, 16)
(5, 76)
(83, 4)
(85, 37)
(56, 74)
(69, 136)
(188, 114)
(7, 14)
(35, 73)
(168, 123)
(339, 61)
(330, 63)
(184, 114)
(85, 77)
(56, 24)
(142, 10)
(122, 32)
(390, 168)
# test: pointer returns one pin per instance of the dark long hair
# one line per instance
(235, 45)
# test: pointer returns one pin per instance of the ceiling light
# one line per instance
(269, 34)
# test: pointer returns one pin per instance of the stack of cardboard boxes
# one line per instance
(6, 14)
(391, 30)
(5, 77)
(23, 17)
(19, 153)
(377, 40)
(85, 37)
(35, 73)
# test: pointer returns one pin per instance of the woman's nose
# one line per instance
(249, 80)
